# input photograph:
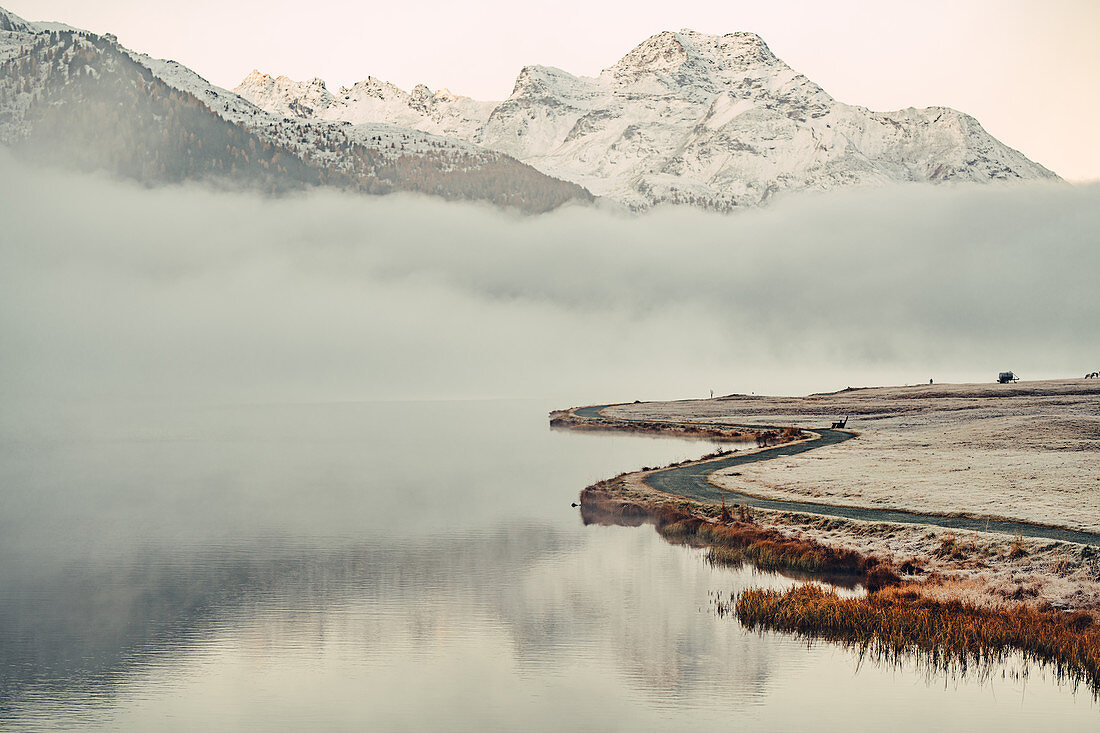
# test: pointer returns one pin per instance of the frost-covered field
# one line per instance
(1029, 451)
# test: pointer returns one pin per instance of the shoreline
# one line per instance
(988, 581)
(958, 520)
(570, 420)
(910, 607)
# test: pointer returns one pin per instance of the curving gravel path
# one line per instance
(691, 482)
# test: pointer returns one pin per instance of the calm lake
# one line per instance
(405, 567)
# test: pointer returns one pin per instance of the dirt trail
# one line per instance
(693, 482)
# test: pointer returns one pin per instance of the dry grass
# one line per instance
(565, 419)
(735, 541)
(568, 420)
(604, 507)
(895, 620)
(900, 622)
(1017, 550)
(768, 549)
(951, 548)
(938, 621)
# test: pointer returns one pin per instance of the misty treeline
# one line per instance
(723, 202)
(77, 100)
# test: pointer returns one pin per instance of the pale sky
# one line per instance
(1028, 70)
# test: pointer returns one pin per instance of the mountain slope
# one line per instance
(77, 99)
(722, 122)
(13, 23)
(684, 118)
(714, 121)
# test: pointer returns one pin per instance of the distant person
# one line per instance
(930, 381)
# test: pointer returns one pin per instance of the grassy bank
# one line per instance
(898, 618)
(734, 537)
(957, 599)
(899, 622)
(566, 419)
(738, 541)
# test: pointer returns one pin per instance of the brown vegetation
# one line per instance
(768, 549)
(953, 549)
(763, 436)
(982, 598)
(895, 619)
(1017, 550)
(734, 541)
(899, 621)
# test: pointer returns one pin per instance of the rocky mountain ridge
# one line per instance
(685, 117)
(717, 122)
(78, 99)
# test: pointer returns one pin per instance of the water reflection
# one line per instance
(340, 612)
(78, 635)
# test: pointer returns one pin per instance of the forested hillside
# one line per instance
(79, 100)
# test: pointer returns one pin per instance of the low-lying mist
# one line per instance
(109, 291)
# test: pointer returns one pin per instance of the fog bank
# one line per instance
(110, 291)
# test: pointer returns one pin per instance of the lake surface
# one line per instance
(401, 566)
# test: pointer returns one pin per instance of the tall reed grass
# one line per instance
(900, 622)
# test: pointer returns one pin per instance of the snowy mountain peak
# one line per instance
(663, 52)
(744, 47)
(421, 98)
(371, 100)
(281, 95)
(543, 82)
(372, 87)
(683, 118)
(689, 53)
(688, 117)
(721, 122)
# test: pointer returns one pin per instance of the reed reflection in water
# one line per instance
(314, 567)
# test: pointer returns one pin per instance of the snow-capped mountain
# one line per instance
(371, 100)
(76, 98)
(684, 118)
(715, 121)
